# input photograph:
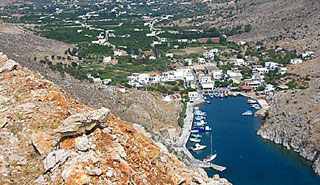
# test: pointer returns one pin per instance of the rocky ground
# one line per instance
(293, 118)
(48, 137)
(145, 108)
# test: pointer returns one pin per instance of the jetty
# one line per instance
(184, 137)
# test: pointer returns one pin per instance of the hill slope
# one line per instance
(288, 23)
(47, 136)
(294, 119)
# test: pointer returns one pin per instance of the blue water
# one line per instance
(248, 158)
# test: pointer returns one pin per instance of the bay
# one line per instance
(249, 159)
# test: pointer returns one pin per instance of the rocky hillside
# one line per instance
(289, 23)
(145, 108)
(293, 118)
(48, 137)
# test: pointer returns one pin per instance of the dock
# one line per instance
(184, 137)
(211, 165)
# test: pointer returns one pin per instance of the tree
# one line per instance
(74, 64)
(247, 28)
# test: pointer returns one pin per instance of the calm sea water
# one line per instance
(249, 159)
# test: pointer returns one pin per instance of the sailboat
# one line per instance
(210, 157)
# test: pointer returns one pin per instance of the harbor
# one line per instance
(245, 157)
(184, 137)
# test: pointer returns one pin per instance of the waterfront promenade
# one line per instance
(184, 137)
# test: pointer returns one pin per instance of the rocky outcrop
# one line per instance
(293, 119)
(48, 137)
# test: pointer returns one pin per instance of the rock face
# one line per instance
(50, 138)
(294, 120)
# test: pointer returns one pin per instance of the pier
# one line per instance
(184, 137)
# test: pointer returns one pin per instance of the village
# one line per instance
(134, 45)
(203, 75)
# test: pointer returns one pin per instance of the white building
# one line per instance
(282, 70)
(206, 82)
(295, 61)
(271, 65)
(238, 62)
(122, 89)
(209, 54)
(119, 52)
(169, 55)
(217, 74)
(188, 61)
(106, 59)
(193, 96)
(144, 78)
(97, 81)
(235, 76)
(152, 58)
(201, 61)
(106, 81)
(181, 74)
(189, 77)
(261, 70)
(166, 98)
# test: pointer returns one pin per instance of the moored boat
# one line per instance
(203, 129)
(250, 101)
(197, 147)
(195, 140)
(196, 135)
(247, 113)
(212, 156)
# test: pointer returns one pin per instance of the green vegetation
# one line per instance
(182, 115)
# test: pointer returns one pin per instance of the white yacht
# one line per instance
(197, 147)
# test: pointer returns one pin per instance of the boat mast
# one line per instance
(211, 144)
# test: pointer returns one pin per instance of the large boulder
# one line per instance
(83, 123)
(9, 65)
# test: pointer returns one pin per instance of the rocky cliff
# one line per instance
(293, 119)
(48, 137)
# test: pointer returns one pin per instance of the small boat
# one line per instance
(197, 147)
(250, 101)
(196, 135)
(199, 125)
(199, 118)
(194, 131)
(255, 106)
(247, 113)
(208, 102)
(212, 156)
(196, 108)
(211, 95)
(195, 140)
(203, 129)
(199, 113)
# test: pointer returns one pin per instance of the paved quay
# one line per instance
(184, 137)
